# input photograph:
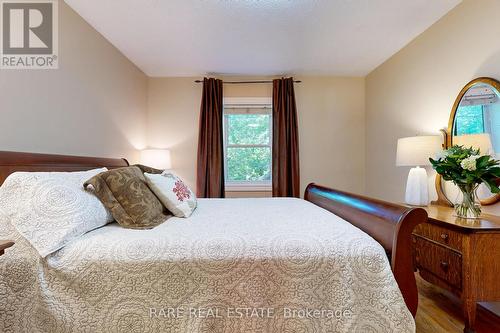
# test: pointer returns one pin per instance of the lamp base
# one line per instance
(417, 192)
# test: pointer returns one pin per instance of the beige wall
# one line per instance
(331, 126)
(94, 104)
(413, 92)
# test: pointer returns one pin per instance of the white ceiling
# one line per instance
(260, 37)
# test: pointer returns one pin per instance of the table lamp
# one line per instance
(415, 151)
(481, 141)
(156, 158)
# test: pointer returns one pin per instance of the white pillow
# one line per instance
(51, 209)
(172, 192)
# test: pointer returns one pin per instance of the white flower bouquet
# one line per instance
(467, 169)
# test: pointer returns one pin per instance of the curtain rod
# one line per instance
(244, 82)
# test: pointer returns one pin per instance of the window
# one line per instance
(469, 120)
(248, 146)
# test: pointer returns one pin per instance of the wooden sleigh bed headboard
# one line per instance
(11, 162)
(389, 224)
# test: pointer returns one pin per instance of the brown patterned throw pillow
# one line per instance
(125, 193)
(147, 169)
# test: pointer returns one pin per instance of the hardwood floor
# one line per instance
(440, 312)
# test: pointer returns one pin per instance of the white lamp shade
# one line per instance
(416, 150)
(156, 158)
(481, 141)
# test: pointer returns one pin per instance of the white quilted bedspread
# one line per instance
(235, 265)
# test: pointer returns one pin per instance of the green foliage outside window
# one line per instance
(469, 120)
(248, 164)
(248, 129)
(252, 161)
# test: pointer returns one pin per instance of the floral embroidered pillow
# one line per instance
(172, 192)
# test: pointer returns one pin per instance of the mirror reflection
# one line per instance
(477, 119)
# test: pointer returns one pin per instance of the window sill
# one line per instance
(248, 188)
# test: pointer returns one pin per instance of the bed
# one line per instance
(334, 262)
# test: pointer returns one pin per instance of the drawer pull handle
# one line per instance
(444, 266)
(444, 237)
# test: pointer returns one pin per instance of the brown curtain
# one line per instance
(210, 172)
(286, 175)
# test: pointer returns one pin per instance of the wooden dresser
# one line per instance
(460, 255)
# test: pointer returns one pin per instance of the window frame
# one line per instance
(251, 105)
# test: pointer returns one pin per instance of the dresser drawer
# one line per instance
(439, 260)
(441, 235)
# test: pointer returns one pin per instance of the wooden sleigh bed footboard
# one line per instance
(389, 224)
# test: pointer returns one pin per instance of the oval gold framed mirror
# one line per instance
(474, 121)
